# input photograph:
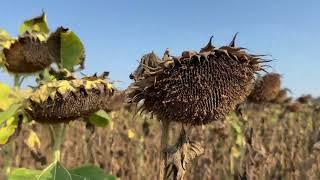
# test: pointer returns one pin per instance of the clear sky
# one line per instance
(117, 33)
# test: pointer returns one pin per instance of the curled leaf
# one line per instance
(37, 25)
(181, 155)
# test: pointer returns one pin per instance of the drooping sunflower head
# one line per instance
(27, 54)
(266, 88)
(64, 100)
(197, 87)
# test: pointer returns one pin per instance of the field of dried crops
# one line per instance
(268, 141)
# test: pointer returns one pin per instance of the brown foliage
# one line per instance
(278, 147)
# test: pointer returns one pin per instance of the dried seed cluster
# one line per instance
(26, 55)
(196, 88)
(64, 100)
(266, 88)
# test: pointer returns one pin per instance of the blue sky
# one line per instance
(117, 33)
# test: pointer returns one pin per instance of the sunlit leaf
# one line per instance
(5, 100)
(37, 25)
(47, 77)
(9, 113)
(236, 125)
(55, 171)
(23, 174)
(5, 39)
(240, 140)
(235, 151)
(8, 130)
(100, 118)
(131, 134)
(90, 172)
(2, 58)
(72, 50)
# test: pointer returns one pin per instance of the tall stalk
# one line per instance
(163, 146)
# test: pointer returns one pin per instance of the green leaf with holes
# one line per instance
(100, 118)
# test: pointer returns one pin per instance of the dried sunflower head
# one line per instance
(305, 99)
(266, 88)
(27, 55)
(196, 88)
(282, 96)
(64, 100)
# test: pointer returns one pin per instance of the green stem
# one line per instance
(58, 137)
(16, 81)
(163, 154)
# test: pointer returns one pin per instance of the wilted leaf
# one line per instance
(72, 50)
(37, 26)
(5, 39)
(2, 57)
(181, 155)
(24, 174)
(235, 151)
(8, 130)
(100, 118)
(33, 141)
(90, 172)
(131, 134)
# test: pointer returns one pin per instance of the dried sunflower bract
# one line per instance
(64, 100)
(196, 88)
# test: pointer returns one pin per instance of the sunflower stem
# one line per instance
(163, 146)
(58, 137)
(16, 81)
